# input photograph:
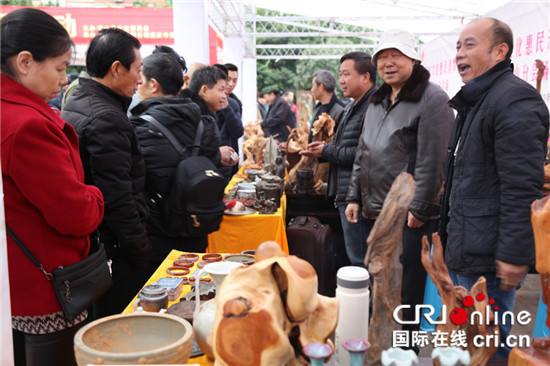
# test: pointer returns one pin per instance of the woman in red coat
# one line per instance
(47, 204)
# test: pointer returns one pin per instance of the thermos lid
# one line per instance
(352, 277)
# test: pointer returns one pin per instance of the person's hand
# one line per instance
(283, 146)
(352, 212)
(510, 274)
(315, 149)
(413, 222)
(226, 152)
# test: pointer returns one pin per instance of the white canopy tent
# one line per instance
(433, 21)
(239, 23)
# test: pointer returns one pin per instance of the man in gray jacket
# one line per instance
(406, 129)
(357, 78)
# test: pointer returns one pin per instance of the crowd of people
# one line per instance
(99, 169)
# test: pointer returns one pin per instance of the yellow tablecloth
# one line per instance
(161, 272)
(238, 233)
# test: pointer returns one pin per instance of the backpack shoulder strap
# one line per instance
(198, 137)
(166, 132)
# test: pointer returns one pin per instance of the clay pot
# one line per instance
(136, 338)
(152, 298)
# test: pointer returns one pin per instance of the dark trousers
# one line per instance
(52, 349)
(127, 282)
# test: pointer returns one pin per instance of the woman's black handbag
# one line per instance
(77, 286)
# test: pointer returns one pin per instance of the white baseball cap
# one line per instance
(399, 39)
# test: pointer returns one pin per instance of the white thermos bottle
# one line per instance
(353, 294)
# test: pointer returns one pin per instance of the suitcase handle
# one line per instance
(301, 221)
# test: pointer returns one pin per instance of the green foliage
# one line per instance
(297, 74)
(16, 2)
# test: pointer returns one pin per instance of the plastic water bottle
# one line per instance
(353, 294)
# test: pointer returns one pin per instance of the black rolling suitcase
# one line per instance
(312, 241)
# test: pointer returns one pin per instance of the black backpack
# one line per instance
(194, 206)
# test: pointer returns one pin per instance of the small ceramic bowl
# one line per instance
(246, 194)
(249, 252)
(239, 258)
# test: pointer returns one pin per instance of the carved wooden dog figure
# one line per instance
(268, 311)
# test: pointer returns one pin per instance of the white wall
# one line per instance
(191, 30)
(6, 348)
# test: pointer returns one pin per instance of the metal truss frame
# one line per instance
(241, 19)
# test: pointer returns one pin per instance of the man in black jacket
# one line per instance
(112, 159)
(357, 78)
(207, 89)
(230, 123)
(162, 81)
(494, 170)
(279, 116)
(323, 85)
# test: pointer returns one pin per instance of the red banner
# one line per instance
(149, 25)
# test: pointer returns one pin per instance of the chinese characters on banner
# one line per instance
(149, 25)
(529, 23)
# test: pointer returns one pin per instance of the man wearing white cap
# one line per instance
(406, 129)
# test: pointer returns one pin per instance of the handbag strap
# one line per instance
(166, 132)
(28, 252)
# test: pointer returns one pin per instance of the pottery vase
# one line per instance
(356, 348)
(205, 313)
(317, 353)
(399, 357)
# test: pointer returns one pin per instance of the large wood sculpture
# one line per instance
(253, 146)
(539, 351)
(322, 130)
(453, 299)
(267, 312)
(384, 248)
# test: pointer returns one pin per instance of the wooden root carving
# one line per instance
(322, 130)
(452, 298)
(539, 351)
(384, 248)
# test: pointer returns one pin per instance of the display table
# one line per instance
(161, 272)
(238, 233)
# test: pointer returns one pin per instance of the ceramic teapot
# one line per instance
(270, 186)
(152, 298)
